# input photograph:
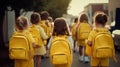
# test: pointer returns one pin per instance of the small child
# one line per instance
(83, 29)
(21, 26)
(74, 32)
(100, 20)
(61, 30)
(44, 23)
(40, 51)
(50, 19)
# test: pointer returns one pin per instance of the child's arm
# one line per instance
(34, 45)
(89, 43)
(43, 34)
(90, 38)
(71, 41)
(50, 41)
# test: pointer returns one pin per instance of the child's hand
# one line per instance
(89, 43)
(30, 54)
(34, 45)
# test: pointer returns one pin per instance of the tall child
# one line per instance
(60, 40)
(83, 29)
(45, 24)
(21, 26)
(41, 36)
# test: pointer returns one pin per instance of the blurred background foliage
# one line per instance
(56, 8)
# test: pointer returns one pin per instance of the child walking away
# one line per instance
(82, 32)
(74, 32)
(101, 42)
(50, 19)
(21, 44)
(39, 35)
(60, 47)
(45, 24)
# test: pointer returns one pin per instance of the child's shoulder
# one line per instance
(101, 30)
(84, 24)
(21, 32)
(42, 21)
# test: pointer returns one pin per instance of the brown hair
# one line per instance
(100, 17)
(44, 15)
(76, 20)
(83, 17)
(21, 22)
(35, 18)
(60, 27)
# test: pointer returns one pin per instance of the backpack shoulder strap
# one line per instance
(76, 31)
(98, 32)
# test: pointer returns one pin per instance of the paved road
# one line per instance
(77, 63)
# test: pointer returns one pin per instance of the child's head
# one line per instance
(83, 17)
(60, 27)
(44, 15)
(50, 19)
(76, 20)
(100, 18)
(21, 23)
(35, 18)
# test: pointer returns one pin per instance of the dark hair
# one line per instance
(21, 22)
(76, 20)
(83, 17)
(35, 18)
(44, 15)
(60, 27)
(101, 18)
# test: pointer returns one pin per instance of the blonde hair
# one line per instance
(22, 22)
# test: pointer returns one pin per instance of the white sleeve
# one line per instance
(49, 43)
(71, 41)
(43, 34)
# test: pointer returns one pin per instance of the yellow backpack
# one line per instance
(19, 47)
(103, 45)
(60, 51)
(83, 31)
(34, 30)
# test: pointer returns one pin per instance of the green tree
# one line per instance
(39, 5)
(57, 8)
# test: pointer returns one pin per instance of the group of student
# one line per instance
(36, 33)
(93, 40)
(58, 38)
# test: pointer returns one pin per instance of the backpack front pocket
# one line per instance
(105, 52)
(59, 59)
(19, 53)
